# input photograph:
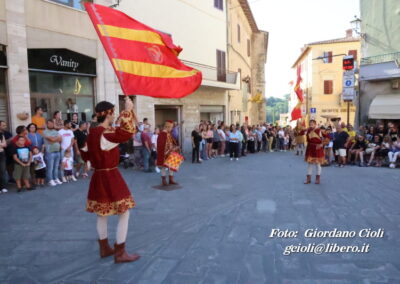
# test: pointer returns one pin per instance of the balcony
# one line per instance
(380, 58)
(212, 77)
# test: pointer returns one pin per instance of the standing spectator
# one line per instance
(281, 139)
(203, 143)
(340, 145)
(137, 148)
(270, 137)
(68, 165)
(93, 123)
(209, 140)
(286, 142)
(39, 120)
(21, 131)
(58, 122)
(3, 171)
(394, 152)
(7, 152)
(234, 140)
(154, 138)
(300, 139)
(222, 138)
(216, 141)
(39, 165)
(67, 143)
(22, 160)
(259, 136)
(196, 139)
(52, 141)
(244, 140)
(146, 148)
(80, 138)
(74, 122)
(175, 131)
(37, 141)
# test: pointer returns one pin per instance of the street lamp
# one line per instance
(356, 27)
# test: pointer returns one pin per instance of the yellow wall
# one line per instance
(331, 104)
(238, 58)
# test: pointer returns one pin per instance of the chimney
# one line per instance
(349, 33)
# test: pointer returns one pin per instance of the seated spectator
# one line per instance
(358, 149)
(372, 149)
(383, 151)
(394, 152)
(22, 161)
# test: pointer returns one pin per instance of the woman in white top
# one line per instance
(222, 137)
(234, 140)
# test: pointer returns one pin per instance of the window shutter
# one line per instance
(330, 57)
(328, 87)
(354, 53)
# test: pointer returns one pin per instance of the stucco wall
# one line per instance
(381, 23)
(2, 10)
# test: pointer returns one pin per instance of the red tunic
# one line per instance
(315, 146)
(165, 143)
(108, 193)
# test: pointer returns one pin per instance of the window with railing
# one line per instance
(77, 4)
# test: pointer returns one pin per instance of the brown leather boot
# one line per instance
(122, 256)
(105, 249)
(318, 179)
(308, 180)
(171, 180)
(164, 181)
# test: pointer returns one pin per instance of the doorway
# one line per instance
(166, 112)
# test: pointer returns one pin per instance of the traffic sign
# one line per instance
(348, 94)
(313, 110)
(348, 80)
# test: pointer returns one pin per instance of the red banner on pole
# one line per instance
(144, 59)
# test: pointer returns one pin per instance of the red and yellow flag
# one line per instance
(145, 60)
(297, 112)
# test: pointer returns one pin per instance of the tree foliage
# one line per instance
(276, 106)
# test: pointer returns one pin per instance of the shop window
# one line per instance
(66, 93)
(77, 4)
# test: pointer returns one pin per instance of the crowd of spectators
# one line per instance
(48, 151)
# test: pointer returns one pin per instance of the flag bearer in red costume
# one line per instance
(166, 144)
(108, 193)
(315, 155)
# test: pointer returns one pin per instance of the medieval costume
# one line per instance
(315, 154)
(166, 144)
(108, 192)
(300, 140)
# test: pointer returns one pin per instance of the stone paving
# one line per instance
(213, 230)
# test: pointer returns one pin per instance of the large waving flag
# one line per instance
(296, 112)
(145, 60)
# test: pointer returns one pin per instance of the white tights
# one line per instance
(310, 169)
(122, 227)
(164, 171)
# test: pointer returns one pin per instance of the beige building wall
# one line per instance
(238, 59)
(315, 72)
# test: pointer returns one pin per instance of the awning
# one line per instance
(385, 107)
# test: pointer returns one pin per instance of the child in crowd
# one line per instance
(40, 166)
(286, 142)
(68, 164)
(22, 160)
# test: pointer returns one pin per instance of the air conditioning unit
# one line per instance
(396, 84)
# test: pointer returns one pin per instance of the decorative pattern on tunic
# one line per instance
(110, 208)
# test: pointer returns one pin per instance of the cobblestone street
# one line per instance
(213, 230)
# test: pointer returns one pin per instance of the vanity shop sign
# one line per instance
(61, 60)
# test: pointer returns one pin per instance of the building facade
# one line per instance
(380, 65)
(50, 57)
(322, 74)
(247, 53)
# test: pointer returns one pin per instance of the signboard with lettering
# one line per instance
(61, 60)
(348, 94)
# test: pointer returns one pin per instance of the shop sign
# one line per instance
(61, 60)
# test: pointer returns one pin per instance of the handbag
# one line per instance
(173, 161)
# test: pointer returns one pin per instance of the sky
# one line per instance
(293, 23)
